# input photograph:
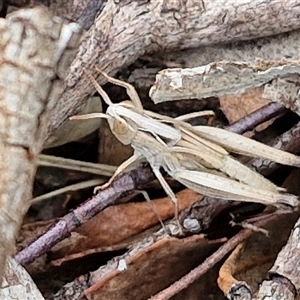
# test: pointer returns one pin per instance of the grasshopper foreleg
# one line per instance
(132, 159)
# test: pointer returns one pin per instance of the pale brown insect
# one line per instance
(196, 156)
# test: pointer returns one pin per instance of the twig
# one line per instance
(121, 186)
(257, 117)
(215, 79)
(286, 266)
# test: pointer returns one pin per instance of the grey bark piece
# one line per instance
(217, 79)
(17, 284)
(35, 49)
(271, 290)
(287, 263)
(281, 46)
(285, 91)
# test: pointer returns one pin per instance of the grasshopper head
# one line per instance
(122, 130)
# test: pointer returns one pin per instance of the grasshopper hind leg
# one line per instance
(146, 196)
(170, 193)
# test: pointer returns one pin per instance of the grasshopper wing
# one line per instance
(232, 142)
(214, 156)
(228, 166)
(220, 187)
(239, 144)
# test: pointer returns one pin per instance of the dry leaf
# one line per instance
(251, 260)
(236, 107)
(149, 267)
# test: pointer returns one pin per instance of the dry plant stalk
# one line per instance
(196, 156)
(36, 49)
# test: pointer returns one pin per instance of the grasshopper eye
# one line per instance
(122, 130)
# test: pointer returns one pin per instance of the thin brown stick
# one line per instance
(121, 186)
(257, 117)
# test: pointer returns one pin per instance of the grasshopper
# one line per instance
(196, 156)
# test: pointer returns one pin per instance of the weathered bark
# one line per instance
(18, 284)
(35, 52)
(81, 12)
(281, 46)
(286, 267)
(128, 29)
(218, 79)
(280, 79)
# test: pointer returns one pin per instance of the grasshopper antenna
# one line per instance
(131, 92)
(99, 89)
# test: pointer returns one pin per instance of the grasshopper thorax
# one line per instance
(122, 130)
